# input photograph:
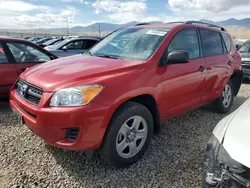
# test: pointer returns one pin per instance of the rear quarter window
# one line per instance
(227, 40)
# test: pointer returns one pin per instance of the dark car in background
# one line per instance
(34, 39)
(73, 46)
(245, 53)
(26, 38)
(43, 40)
(54, 41)
(16, 55)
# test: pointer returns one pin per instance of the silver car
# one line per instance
(227, 159)
(73, 46)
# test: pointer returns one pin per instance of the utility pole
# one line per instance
(99, 29)
(67, 26)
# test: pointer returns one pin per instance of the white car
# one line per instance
(227, 159)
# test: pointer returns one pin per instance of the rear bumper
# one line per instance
(51, 123)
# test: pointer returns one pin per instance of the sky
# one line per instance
(56, 13)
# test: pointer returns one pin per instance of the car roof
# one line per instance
(88, 37)
(12, 38)
(171, 25)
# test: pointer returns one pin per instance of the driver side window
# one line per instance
(75, 45)
(24, 53)
(187, 40)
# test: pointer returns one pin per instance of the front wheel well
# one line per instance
(149, 102)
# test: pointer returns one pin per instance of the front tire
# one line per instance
(128, 135)
(224, 103)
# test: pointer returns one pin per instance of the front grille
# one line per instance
(29, 92)
(71, 134)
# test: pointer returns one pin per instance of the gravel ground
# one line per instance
(174, 158)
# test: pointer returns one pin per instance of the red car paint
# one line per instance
(176, 89)
(11, 70)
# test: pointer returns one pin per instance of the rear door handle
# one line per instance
(201, 68)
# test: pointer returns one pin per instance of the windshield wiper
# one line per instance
(107, 56)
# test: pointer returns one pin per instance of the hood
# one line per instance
(65, 71)
(237, 136)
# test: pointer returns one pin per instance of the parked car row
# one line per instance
(113, 97)
(66, 46)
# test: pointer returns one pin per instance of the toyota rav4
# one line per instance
(113, 98)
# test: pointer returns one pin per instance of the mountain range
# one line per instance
(107, 27)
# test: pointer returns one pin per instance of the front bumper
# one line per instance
(51, 123)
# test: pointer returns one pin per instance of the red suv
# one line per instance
(113, 98)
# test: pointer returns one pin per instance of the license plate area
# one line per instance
(18, 116)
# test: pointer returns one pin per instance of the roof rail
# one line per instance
(206, 24)
(174, 22)
(144, 23)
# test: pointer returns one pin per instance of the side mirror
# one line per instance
(65, 48)
(177, 57)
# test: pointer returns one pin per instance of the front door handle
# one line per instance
(201, 68)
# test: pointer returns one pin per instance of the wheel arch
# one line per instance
(149, 102)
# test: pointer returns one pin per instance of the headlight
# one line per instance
(210, 159)
(75, 96)
(245, 59)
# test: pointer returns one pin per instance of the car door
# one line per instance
(26, 55)
(8, 74)
(217, 63)
(184, 83)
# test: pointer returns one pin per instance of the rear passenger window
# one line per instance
(211, 43)
(227, 40)
(187, 40)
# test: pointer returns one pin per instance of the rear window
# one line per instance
(211, 43)
(227, 40)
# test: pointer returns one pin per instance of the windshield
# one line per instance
(50, 41)
(245, 47)
(59, 45)
(133, 44)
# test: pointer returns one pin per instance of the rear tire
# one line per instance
(224, 103)
(128, 135)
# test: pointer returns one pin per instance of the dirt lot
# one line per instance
(174, 158)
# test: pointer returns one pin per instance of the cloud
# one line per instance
(20, 6)
(121, 11)
(47, 19)
(207, 5)
(215, 10)
(26, 14)
(76, 1)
